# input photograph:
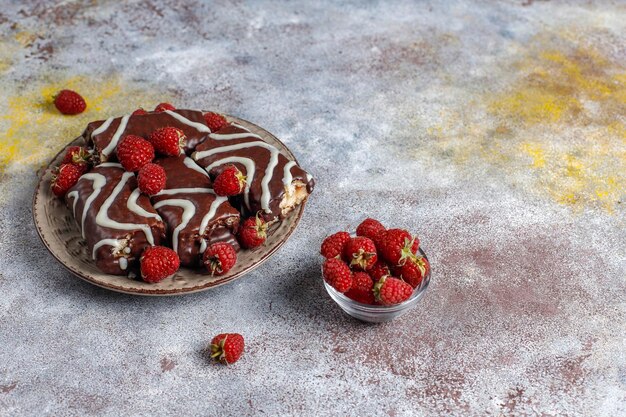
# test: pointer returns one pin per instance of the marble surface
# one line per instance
(494, 130)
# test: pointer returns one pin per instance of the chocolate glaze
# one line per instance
(135, 239)
(221, 227)
(261, 158)
(144, 125)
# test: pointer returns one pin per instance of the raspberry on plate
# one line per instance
(139, 112)
(157, 263)
(133, 152)
(413, 270)
(79, 156)
(397, 245)
(333, 245)
(362, 288)
(151, 178)
(168, 141)
(215, 121)
(69, 102)
(219, 258)
(229, 182)
(389, 290)
(227, 347)
(337, 274)
(161, 107)
(252, 232)
(65, 178)
(360, 253)
(370, 228)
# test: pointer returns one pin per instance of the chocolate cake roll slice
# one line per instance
(275, 185)
(194, 215)
(115, 219)
(104, 135)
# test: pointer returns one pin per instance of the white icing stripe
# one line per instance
(287, 177)
(309, 177)
(198, 126)
(108, 242)
(104, 126)
(110, 164)
(250, 170)
(233, 136)
(123, 264)
(188, 211)
(214, 206)
(265, 183)
(203, 246)
(132, 205)
(74, 195)
(116, 136)
(239, 126)
(99, 181)
(191, 164)
(184, 190)
(102, 218)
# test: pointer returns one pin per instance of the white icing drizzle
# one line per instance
(191, 164)
(203, 246)
(110, 164)
(212, 210)
(188, 211)
(309, 177)
(132, 205)
(104, 126)
(269, 171)
(116, 136)
(102, 218)
(194, 190)
(250, 170)
(116, 243)
(74, 195)
(123, 264)
(233, 136)
(198, 126)
(99, 181)
(287, 177)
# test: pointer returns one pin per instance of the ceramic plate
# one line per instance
(60, 235)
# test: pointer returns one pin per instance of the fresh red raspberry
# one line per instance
(219, 258)
(157, 263)
(215, 121)
(64, 178)
(168, 140)
(413, 270)
(252, 232)
(151, 178)
(397, 245)
(227, 347)
(164, 106)
(133, 152)
(389, 290)
(378, 270)
(370, 228)
(139, 112)
(360, 253)
(333, 245)
(79, 156)
(69, 102)
(337, 274)
(362, 288)
(229, 182)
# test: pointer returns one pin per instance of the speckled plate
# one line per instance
(60, 235)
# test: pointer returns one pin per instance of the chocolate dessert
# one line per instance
(275, 185)
(116, 220)
(194, 215)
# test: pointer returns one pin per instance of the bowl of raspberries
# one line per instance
(375, 274)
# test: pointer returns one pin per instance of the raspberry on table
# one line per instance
(227, 348)
(69, 102)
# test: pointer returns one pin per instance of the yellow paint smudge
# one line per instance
(536, 152)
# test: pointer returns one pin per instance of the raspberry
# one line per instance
(215, 121)
(227, 347)
(397, 245)
(139, 112)
(378, 270)
(229, 182)
(164, 106)
(157, 263)
(64, 178)
(151, 178)
(219, 258)
(389, 290)
(79, 156)
(133, 152)
(69, 102)
(370, 228)
(337, 274)
(413, 270)
(360, 253)
(168, 141)
(252, 232)
(333, 245)
(362, 288)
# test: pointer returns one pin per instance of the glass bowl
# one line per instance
(378, 313)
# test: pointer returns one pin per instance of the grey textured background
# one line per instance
(494, 130)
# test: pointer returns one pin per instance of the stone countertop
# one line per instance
(494, 130)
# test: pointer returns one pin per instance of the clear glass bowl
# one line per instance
(377, 313)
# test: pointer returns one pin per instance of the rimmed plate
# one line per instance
(60, 235)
